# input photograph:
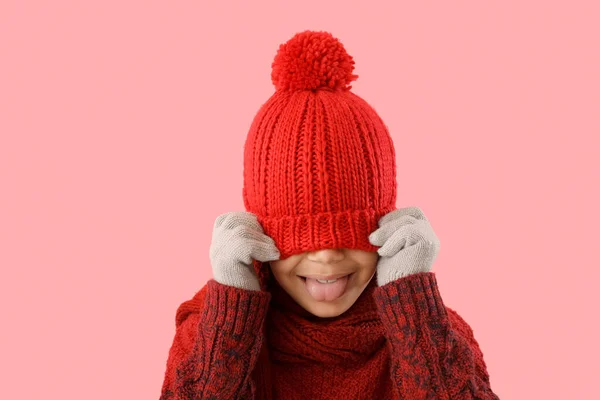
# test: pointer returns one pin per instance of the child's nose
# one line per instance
(326, 256)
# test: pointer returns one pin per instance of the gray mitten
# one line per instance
(408, 244)
(237, 239)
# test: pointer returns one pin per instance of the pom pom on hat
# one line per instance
(311, 60)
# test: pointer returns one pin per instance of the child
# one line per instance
(322, 289)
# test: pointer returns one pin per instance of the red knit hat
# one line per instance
(319, 163)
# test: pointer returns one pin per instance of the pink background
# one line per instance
(122, 127)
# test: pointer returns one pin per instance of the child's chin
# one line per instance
(325, 309)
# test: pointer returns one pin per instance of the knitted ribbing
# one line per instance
(319, 163)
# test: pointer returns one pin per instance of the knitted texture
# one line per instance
(399, 341)
(237, 242)
(319, 163)
(319, 172)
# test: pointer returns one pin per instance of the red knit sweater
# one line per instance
(398, 341)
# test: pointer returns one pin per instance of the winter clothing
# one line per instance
(319, 172)
(237, 240)
(398, 341)
(319, 163)
(408, 244)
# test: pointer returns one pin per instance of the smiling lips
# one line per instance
(326, 287)
(326, 277)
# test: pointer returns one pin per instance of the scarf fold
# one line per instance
(297, 336)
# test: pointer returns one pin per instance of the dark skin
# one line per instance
(359, 265)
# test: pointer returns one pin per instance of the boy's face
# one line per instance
(299, 276)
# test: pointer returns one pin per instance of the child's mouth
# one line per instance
(326, 288)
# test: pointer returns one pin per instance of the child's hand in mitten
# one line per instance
(237, 239)
(408, 244)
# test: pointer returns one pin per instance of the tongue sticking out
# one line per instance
(326, 291)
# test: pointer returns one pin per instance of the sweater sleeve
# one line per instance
(217, 342)
(434, 354)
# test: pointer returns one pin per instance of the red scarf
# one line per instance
(297, 336)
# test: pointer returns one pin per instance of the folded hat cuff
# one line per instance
(329, 230)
